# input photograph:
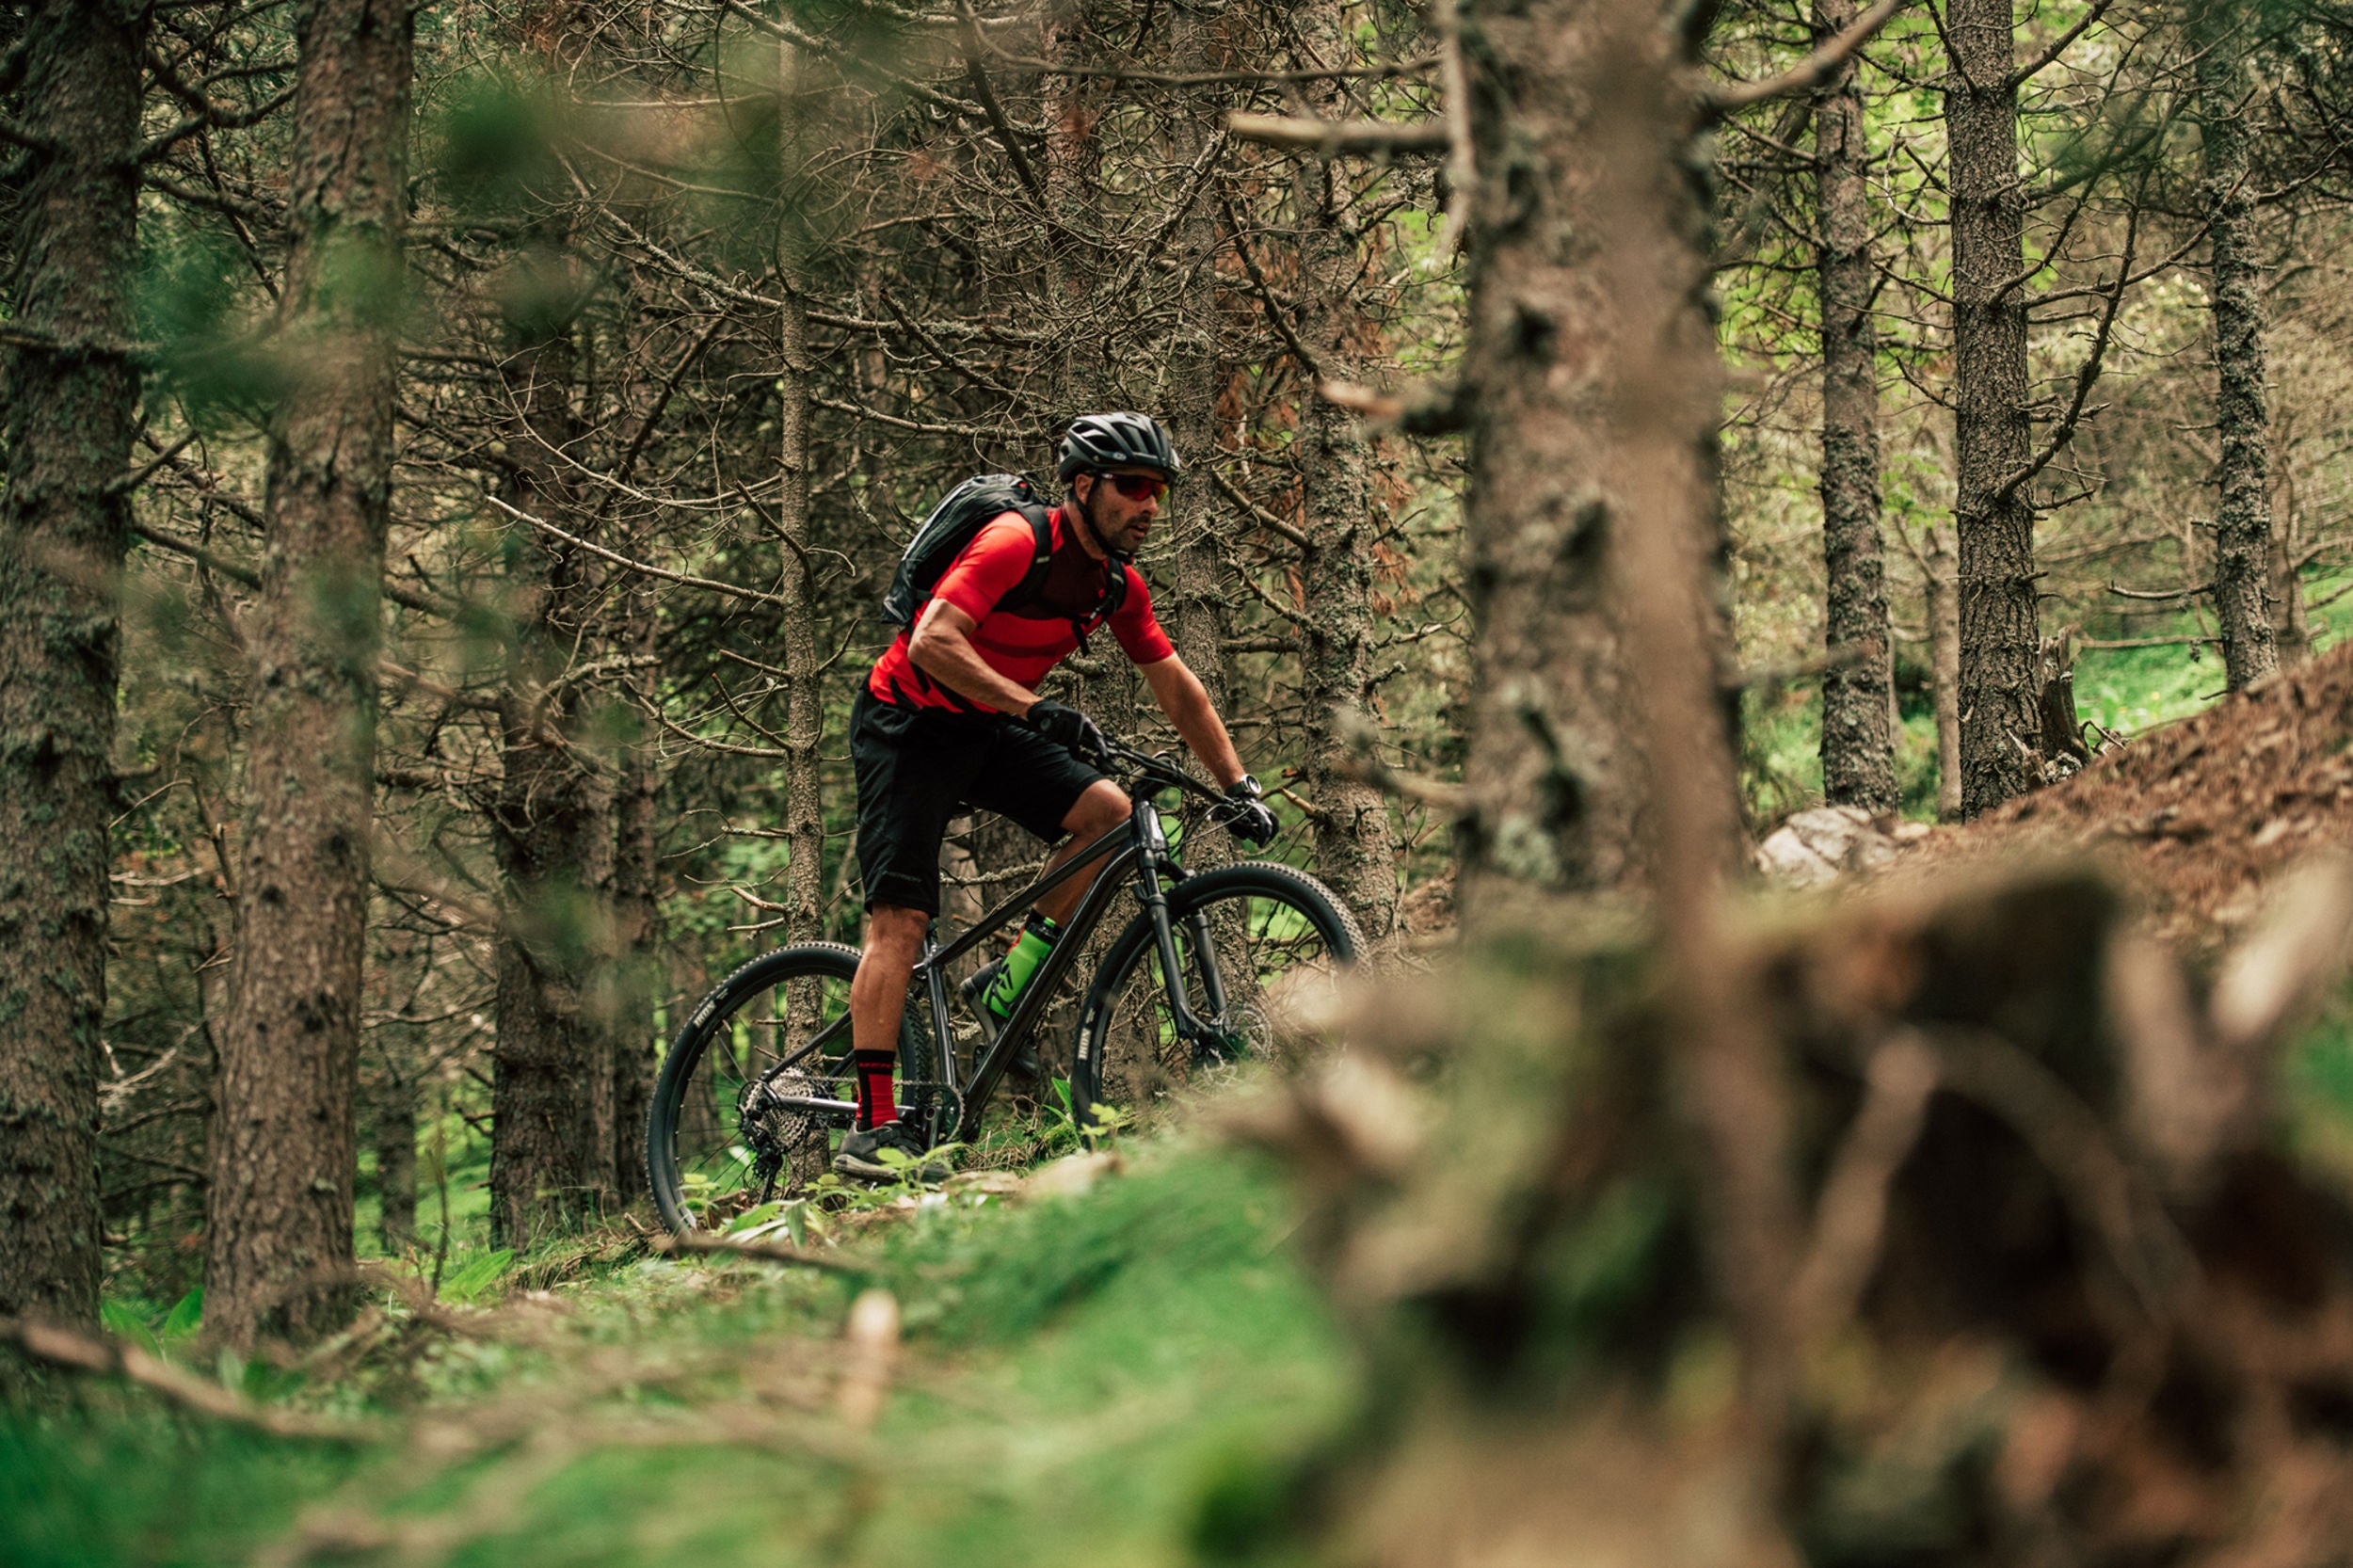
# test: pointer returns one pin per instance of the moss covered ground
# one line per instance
(1083, 1379)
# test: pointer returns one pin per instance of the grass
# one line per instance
(1081, 1378)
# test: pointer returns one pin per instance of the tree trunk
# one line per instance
(63, 531)
(1195, 614)
(636, 916)
(1551, 779)
(1944, 612)
(1992, 436)
(1594, 357)
(1356, 849)
(1071, 159)
(396, 1140)
(551, 1103)
(796, 610)
(2242, 525)
(1858, 744)
(278, 1245)
(2292, 627)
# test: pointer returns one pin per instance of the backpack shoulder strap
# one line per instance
(1041, 553)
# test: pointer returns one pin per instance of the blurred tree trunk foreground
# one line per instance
(1946, 1229)
(279, 1211)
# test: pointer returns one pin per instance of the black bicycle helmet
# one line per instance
(1116, 440)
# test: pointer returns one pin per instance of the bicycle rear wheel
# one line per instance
(718, 1138)
(1255, 942)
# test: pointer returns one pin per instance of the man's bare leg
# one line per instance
(1103, 808)
(878, 1002)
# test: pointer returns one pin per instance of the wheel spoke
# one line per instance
(1256, 939)
(721, 1140)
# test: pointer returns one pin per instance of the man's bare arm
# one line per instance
(942, 648)
(1186, 702)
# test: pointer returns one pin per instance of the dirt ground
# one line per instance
(2197, 816)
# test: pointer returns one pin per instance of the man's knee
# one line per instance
(1103, 807)
(895, 931)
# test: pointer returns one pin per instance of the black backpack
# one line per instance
(954, 524)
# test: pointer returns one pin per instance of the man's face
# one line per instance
(1120, 520)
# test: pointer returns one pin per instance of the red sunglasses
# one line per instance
(1138, 486)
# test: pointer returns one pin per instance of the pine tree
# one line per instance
(70, 392)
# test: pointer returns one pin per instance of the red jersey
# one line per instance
(1023, 642)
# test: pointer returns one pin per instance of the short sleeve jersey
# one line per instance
(1021, 642)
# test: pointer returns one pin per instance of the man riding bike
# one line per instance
(948, 718)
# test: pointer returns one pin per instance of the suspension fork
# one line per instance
(1154, 898)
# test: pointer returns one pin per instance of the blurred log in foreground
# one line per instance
(2060, 1299)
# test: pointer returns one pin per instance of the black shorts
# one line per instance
(918, 767)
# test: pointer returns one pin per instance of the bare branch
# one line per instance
(732, 589)
(2033, 68)
(1808, 73)
(1332, 138)
(2085, 377)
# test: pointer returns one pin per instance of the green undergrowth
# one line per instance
(2126, 690)
(1078, 1378)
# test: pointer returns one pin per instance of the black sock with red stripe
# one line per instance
(878, 1096)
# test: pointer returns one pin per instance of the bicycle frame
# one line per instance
(1141, 850)
(1138, 860)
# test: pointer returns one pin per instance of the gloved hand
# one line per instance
(1243, 812)
(1065, 726)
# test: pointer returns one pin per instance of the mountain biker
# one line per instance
(949, 717)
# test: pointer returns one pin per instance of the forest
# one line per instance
(1780, 566)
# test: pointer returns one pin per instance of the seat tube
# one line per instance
(941, 1038)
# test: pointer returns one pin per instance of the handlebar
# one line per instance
(1152, 769)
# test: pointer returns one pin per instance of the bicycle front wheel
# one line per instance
(720, 1136)
(1254, 943)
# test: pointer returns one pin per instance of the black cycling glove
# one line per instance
(1244, 812)
(1065, 726)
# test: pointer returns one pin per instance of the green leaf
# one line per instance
(478, 1276)
(185, 1316)
(123, 1323)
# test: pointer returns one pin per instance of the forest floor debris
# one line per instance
(2198, 817)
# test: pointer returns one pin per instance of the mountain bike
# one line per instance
(1213, 968)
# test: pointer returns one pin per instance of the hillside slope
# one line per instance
(2197, 816)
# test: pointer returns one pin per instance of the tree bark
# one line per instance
(1858, 744)
(1594, 359)
(63, 531)
(1195, 614)
(1356, 848)
(2291, 618)
(637, 915)
(2000, 642)
(552, 1104)
(1551, 779)
(1943, 613)
(396, 1140)
(796, 613)
(278, 1245)
(1071, 159)
(2242, 525)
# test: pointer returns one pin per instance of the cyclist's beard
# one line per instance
(1086, 510)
